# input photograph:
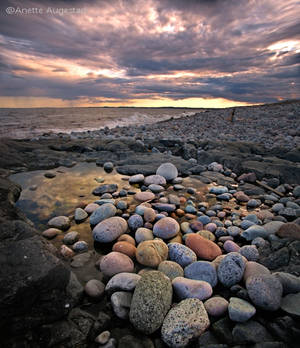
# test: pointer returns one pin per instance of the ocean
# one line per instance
(22, 123)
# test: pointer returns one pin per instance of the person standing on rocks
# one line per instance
(231, 117)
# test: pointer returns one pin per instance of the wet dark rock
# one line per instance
(250, 332)
(61, 333)
(198, 169)
(222, 329)
(282, 329)
(251, 190)
(207, 339)
(105, 188)
(276, 259)
(33, 281)
(130, 341)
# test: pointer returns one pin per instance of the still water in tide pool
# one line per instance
(61, 195)
(43, 198)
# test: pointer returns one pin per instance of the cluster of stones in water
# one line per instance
(190, 258)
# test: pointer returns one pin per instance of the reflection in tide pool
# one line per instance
(43, 198)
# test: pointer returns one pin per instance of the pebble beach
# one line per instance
(194, 235)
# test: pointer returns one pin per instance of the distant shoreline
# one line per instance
(155, 107)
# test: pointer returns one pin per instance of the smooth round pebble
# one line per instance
(233, 231)
(156, 188)
(122, 281)
(204, 219)
(204, 248)
(210, 227)
(110, 229)
(196, 225)
(144, 196)
(155, 179)
(80, 246)
(253, 232)
(126, 238)
(71, 237)
(60, 222)
(121, 302)
(94, 288)
(168, 171)
(66, 252)
(136, 179)
(91, 207)
(191, 288)
(151, 252)
(202, 270)
(240, 310)
(230, 246)
(171, 269)
(114, 263)
(135, 221)
(166, 228)
(103, 212)
(108, 166)
(142, 234)
(51, 233)
(185, 227)
(80, 215)
(122, 205)
(149, 215)
(216, 306)
(103, 337)
(207, 235)
(181, 254)
(125, 248)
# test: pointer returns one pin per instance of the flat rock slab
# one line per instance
(147, 163)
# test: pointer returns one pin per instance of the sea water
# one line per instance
(21, 123)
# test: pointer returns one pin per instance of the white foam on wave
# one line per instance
(139, 119)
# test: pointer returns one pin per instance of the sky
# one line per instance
(184, 53)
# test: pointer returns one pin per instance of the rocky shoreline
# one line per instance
(243, 248)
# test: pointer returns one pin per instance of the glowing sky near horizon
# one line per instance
(189, 53)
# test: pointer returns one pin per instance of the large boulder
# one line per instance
(35, 286)
(152, 298)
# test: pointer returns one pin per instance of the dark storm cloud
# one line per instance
(224, 45)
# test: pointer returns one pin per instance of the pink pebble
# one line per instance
(229, 246)
(210, 227)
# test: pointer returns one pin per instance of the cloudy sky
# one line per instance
(148, 52)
